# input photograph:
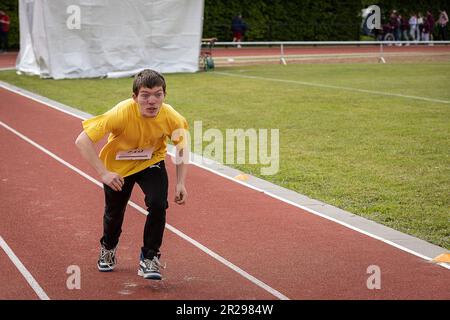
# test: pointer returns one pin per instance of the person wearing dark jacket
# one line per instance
(426, 29)
(431, 22)
(238, 27)
(404, 26)
(395, 25)
(4, 30)
(442, 25)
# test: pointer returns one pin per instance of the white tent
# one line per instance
(108, 38)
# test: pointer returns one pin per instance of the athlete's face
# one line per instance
(149, 101)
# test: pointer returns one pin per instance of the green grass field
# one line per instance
(379, 156)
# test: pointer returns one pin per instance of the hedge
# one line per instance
(282, 20)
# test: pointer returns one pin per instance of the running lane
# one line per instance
(221, 51)
(52, 217)
(13, 284)
(8, 60)
(297, 253)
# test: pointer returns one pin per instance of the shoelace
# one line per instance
(154, 265)
(107, 255)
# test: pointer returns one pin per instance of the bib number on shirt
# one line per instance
(135, 154)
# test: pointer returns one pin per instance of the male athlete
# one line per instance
(138, 128)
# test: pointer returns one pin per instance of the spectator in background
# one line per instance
(442, 25)
(4, 30)
(238, 27)
(426, 29)
(413, 26)
(395, 25)
(404, 26)
(431, 23)
(419, 26)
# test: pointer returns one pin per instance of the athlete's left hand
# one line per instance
(180, 194)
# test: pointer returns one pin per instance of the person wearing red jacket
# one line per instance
(431, 22)
(404, 27)
(426, 30)
(4, 30)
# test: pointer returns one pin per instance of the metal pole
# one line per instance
(282, 60)
(381, 59)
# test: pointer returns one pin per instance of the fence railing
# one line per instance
(210, 43)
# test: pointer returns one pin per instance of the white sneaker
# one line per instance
(107, 259)
(150, 269)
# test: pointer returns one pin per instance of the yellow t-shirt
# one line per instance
(129, 130)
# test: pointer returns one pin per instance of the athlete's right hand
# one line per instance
(113, 180)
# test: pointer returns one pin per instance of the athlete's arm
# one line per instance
(181, 168)
(87, 150)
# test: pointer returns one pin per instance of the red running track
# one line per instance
(8, 59)
(220, 51)
(51, 218)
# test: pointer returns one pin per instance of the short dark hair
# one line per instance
(148, 79)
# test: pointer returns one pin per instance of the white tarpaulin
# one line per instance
(112, 38)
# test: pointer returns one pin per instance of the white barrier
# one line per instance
(282, 44)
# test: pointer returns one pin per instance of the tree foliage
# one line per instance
(284, 20)
(11, 7)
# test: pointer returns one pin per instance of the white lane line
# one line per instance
(319, 85)
(18, 91)
(219, 258)
(209, 252)
(25, 273)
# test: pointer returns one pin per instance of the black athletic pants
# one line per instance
(154, 183)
